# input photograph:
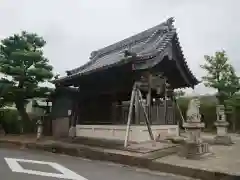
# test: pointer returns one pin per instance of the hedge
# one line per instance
(11, 123)
(208, 111)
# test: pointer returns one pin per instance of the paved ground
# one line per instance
(34, 165)
(224, 161)
(224, 158)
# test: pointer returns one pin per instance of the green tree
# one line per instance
(232, 107)
(24, 68)
(179, 93)
(220, 76)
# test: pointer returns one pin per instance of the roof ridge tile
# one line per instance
(126, 43)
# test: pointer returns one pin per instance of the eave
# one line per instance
(164, 34)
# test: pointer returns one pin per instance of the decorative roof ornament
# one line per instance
(93, 54)
(170, 22)
(68, 73)
(128, 53)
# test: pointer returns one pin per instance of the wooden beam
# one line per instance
(130, 115)
(139, 94)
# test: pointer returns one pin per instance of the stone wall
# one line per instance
(138, 133)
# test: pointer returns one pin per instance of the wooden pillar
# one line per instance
(71, 114)
(149, 96)
(165, 102)
(137, 110)
(76, 114)
(157, 110)
(78, 108)
(119, 117)
(114, 112)
(130, 111)
(171, 95)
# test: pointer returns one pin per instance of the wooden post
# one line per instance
(119, 116)
(77, 114)
(130, 115)
(114, 113)
(165, 101)
(145, 114)
(137, 110)
(181, 115)
(174, 113)
(149, 96)
(157, 105)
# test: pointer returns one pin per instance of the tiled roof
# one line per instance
(144, 45)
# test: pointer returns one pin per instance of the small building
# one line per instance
(35, 107)
(97, 96)
(38, 107)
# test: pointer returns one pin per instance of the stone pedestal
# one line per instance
(222, 137)
(194, 148)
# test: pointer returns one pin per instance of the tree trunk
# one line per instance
(22, 112)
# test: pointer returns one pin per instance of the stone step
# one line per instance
(96, 142)
(162, 152)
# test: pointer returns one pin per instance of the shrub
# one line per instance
(208, 110)
(11, 123)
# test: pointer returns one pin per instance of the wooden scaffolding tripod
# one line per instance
(136, 94)
(136, 97)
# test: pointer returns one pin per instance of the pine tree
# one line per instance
(24, 68)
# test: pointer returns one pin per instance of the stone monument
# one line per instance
(194, 148)
(222, 125)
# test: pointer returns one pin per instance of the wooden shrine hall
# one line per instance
(125, 91)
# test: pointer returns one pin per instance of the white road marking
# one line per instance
(64, 172)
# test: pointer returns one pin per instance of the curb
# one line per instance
(90, 153)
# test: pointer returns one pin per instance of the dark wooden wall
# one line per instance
(157, 114)
(103, 111)
(95, 111)
(60, 107)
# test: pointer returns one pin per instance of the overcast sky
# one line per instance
(74, 28)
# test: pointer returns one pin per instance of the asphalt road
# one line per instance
(33, 165)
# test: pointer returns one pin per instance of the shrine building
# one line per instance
(96, 98)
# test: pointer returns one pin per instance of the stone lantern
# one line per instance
(194, 147)
(222, 125)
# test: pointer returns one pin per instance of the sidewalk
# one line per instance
(224, 163)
